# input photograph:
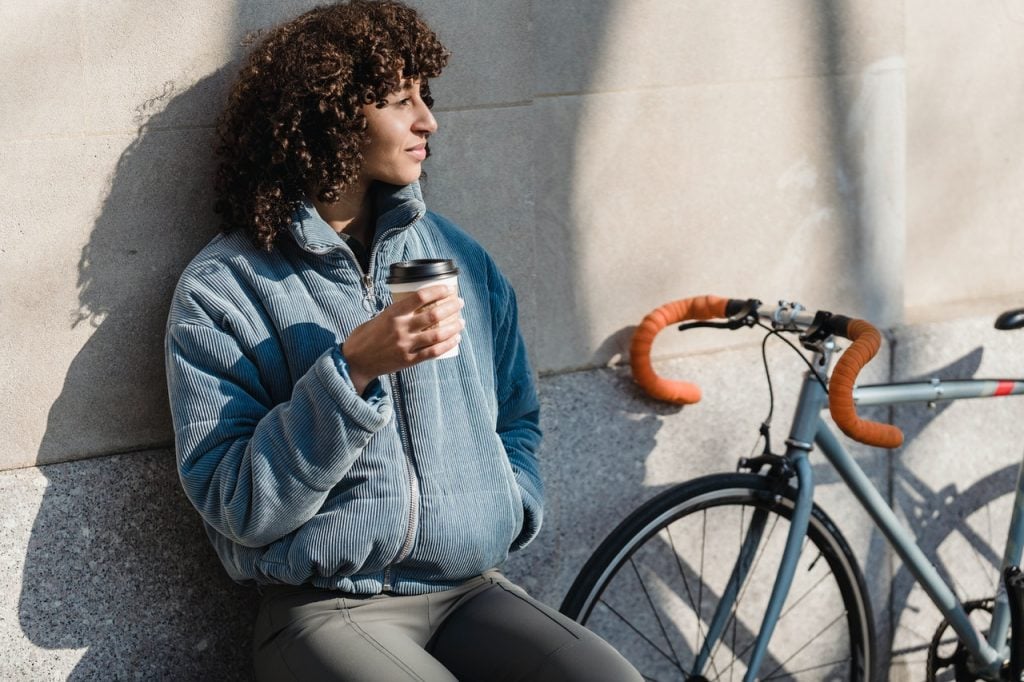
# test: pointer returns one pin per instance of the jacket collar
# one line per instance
(394, 206)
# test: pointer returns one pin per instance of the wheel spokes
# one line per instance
(689, 606)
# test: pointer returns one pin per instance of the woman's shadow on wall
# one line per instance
(117, 562)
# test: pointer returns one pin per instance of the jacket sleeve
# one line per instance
(257, 471)
(518, 422)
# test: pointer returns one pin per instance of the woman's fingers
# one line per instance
(438, 349)
(443, 347)
(436, 313)
(413, 301)
(439, 333)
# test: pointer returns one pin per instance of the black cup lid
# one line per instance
(424, 268)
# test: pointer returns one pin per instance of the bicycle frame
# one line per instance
(808, 429)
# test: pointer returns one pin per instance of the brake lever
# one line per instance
(745, 317)
(820, 329)
(728, 324)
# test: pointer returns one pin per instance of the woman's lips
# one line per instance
(419, 152)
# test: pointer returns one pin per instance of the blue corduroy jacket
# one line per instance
(426, 479)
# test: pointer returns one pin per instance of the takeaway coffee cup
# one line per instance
(409, 276)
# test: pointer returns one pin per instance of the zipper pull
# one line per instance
(369, 295)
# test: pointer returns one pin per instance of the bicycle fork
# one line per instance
(799, 445)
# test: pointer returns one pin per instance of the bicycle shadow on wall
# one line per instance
(117, 562)
(960, 519)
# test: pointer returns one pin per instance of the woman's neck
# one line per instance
(352, 214)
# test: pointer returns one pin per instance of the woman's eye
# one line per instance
(405, 101)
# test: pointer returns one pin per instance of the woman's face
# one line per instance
(396, 137)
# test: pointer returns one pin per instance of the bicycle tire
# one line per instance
(657, 626)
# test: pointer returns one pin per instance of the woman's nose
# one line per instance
(425, 122)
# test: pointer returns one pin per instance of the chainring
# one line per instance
(959, 659)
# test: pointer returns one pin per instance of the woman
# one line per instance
(369, 488)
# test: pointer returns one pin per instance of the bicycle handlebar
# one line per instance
(668, 390)
(866, 342)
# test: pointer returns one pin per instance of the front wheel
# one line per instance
(653, 587)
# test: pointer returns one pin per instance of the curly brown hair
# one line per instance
(294, 124)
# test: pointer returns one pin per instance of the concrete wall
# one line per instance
(963, 151)
(858, 156)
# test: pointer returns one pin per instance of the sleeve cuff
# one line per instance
(374, 391)
(371, 410)
(533, 515)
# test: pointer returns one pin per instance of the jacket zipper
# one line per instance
(411, 479)
(370, 305)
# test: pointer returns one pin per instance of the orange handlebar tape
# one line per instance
(866, 342)
(696, 308)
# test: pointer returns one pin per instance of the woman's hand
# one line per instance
(422, 325)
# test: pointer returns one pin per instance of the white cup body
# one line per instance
(403, 289)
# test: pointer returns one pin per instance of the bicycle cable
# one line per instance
(766, 425)
(778, 333)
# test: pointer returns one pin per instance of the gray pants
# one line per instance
(486, 629)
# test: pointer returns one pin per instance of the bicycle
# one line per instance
(743, 575)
